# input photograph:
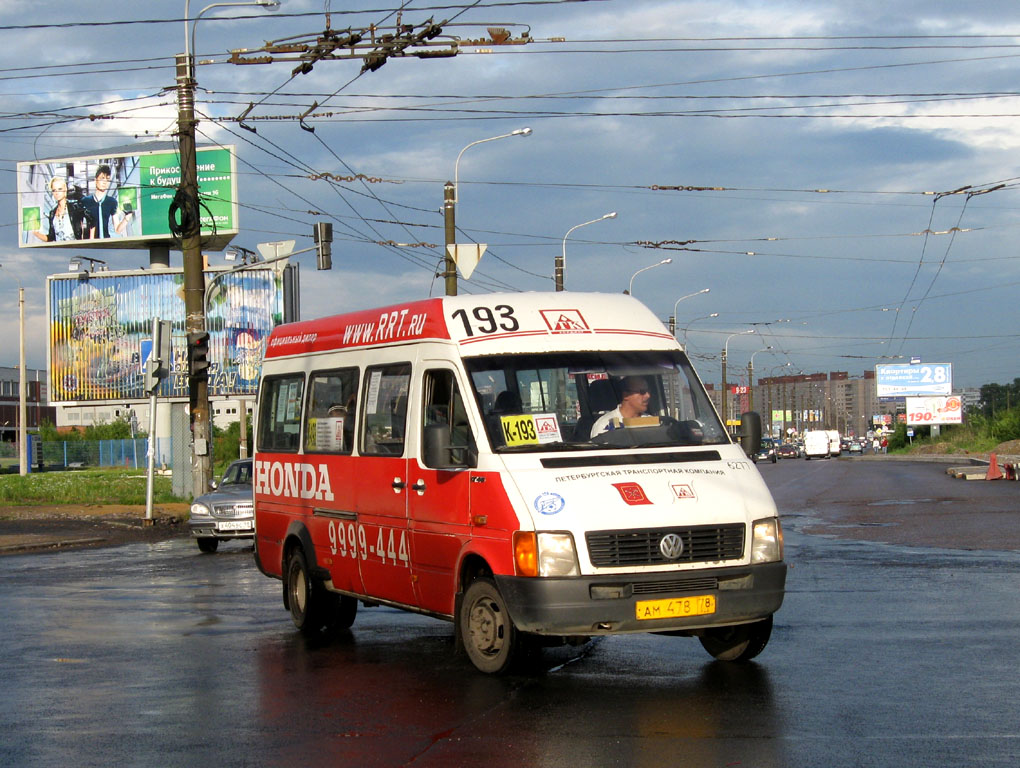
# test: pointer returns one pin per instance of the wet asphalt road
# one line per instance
(156, 655)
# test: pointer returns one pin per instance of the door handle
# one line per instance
(398, 484)
(419, 485)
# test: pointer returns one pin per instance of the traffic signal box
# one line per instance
(198, 354)
(324, 243)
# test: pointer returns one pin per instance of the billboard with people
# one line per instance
(100, 321)
(117, 200)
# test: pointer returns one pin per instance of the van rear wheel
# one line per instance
(486, 629)
(309, 601)
(737, 643)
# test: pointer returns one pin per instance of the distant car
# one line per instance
(788, 451)
(767, 451)
(856, 446)
(227, 512)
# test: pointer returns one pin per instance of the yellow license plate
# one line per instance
(675, 607)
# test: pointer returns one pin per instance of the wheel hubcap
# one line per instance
(486, 627)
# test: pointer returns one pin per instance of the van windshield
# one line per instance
(578, 400)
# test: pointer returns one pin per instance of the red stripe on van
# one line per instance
(412, 321)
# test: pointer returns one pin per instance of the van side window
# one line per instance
(280, 413)
(329, 417)
(443, 404)
(384, 409)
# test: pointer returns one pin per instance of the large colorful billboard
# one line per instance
(99, 320)
(934, 410)
(117, 200)
(914, 380)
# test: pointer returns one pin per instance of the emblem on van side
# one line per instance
(632, 493)
(671, 546)
(549, 503)
(565, 321)
(683, 491)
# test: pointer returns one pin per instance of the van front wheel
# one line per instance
(486, 629)
(738, 643)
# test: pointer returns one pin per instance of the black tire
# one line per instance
(346, 612)
(309, 601)
(486, 629)
(208, 544)
(741, 642)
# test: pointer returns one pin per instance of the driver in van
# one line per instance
(634, 400)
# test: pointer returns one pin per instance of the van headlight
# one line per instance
(767, 541)
(200, 510)
(556, 556)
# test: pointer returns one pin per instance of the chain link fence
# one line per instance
(76, 454)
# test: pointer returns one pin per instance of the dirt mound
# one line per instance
(1009, 448)
(938, 449)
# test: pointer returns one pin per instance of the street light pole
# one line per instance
(449, 211)
(630, 288)
(672, 318)
(703, 317)
(189, 228)
(750, 381)
(725, 394)
(561, 263)
(22, 395)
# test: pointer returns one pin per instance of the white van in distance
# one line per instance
(533, 467)
(817, 444)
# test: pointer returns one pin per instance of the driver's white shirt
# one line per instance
(602, 424)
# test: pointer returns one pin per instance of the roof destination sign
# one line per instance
(914, 380)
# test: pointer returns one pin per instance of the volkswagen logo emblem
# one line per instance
(671, 546)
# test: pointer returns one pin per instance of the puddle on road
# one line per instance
(892, 502)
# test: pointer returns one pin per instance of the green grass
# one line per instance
(88, 486)
(960, 440)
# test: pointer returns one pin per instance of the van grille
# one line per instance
(702, 584)
(702, 543)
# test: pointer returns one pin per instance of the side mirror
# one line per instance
(750, 432)
(439, 454)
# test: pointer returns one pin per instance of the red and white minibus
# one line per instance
(534, 467)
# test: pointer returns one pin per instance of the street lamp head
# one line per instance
(611, 215)
(630, 288)
(269, 5)
(521, 132)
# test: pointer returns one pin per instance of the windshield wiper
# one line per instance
(546, 447)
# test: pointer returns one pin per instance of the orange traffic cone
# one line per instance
(994, 473)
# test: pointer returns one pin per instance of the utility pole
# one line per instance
(22, 388)
(450, 225)
(724, 393)
(189, 230)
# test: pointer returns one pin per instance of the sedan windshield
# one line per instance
(579, 400)
(238, 473)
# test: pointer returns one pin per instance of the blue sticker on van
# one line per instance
(549, 503)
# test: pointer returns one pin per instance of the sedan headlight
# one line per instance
(200, 510)
(767, 541)
(556, 555)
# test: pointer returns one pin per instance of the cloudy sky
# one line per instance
(841, 174)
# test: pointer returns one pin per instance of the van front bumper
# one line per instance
(605, 605)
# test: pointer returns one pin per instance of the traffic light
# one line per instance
(157, 364)
(324, 241)
(198, 353)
